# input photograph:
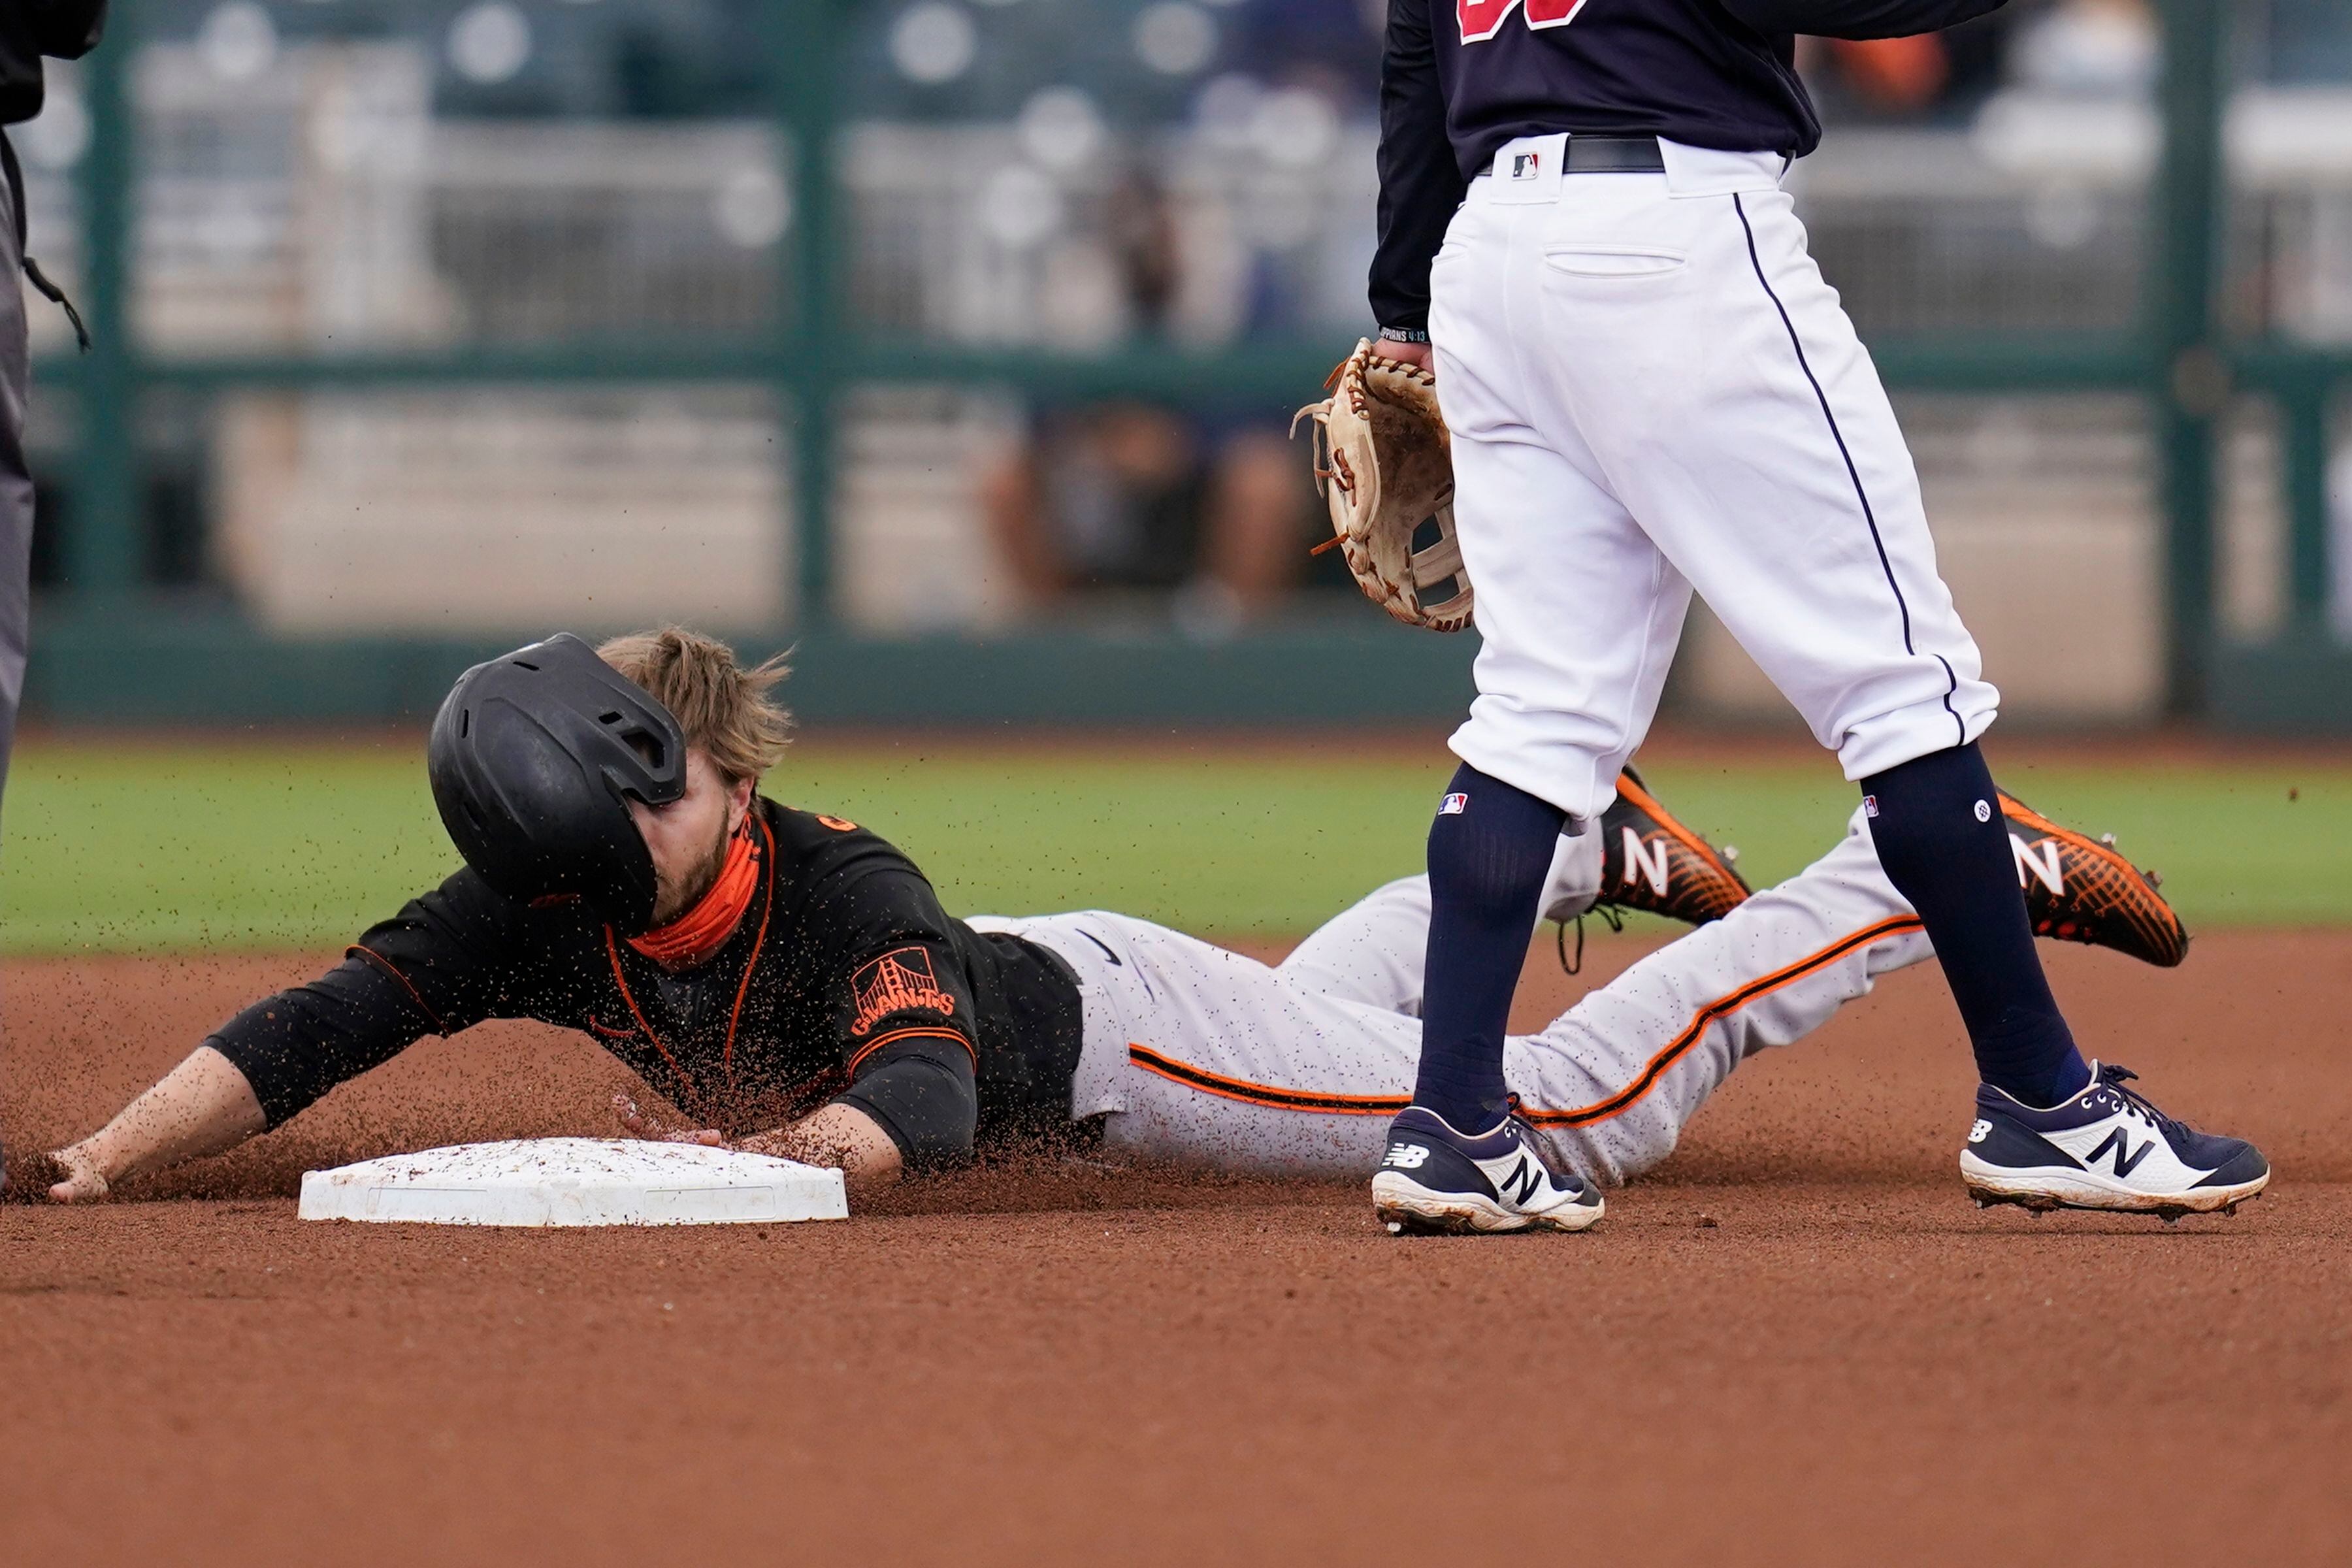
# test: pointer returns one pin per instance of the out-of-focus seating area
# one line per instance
(603, 197)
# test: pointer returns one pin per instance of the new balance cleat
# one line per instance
(1436, 1181)
(2079, 888)
(1651, 862)
(2105, 1148)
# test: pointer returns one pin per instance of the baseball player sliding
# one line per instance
(1649, 390)
(791, 981)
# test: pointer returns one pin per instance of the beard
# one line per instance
(673, 899)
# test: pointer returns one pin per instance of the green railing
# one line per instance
(101, 644)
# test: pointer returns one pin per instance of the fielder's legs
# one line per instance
(1573, 654)
(1670, 333)
(1789, 376)
(1728, 396)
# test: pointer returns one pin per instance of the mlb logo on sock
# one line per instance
(1525, 165)
(1452, 804)
(1870, 806)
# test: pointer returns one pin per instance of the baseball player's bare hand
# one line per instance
(783, 1143)
(838, 1135)
(638, 1125)
(76, 1177)
(1414, 354)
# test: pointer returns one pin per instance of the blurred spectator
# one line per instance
(1929, 78)
(1213, 506)
(2089, 48)
(669, 58)
(1333, 45)
(1132, 495)
(2101, 48)
(1899, 75)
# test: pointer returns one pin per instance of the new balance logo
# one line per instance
(1645, 863)
(1981, 1130)
(1521, 1183)
(2044, 867)
(2126, 1160)
(1406, 1156)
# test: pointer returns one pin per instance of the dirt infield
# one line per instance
(1798, 1343)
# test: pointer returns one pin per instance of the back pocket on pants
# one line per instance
(1596, 260)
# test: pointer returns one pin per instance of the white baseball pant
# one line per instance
(1652, 390)
(1203, 1057)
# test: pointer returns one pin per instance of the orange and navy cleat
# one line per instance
(1649, 861)
(2078, 889)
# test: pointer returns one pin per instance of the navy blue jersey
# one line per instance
(1461, 77)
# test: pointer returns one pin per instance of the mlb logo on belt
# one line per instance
(1525, 165)
(1452, 804)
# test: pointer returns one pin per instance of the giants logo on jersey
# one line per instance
(1482, 19)
(894, 983)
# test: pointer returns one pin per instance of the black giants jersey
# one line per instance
(1461, 77)
(843, 964)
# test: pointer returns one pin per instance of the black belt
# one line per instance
(1611, 155)
(1615, 155)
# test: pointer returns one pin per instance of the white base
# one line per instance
(575, 1182)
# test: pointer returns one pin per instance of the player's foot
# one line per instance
(2079, 888)
(1437, 1180)
(1651, 862)
(2105, 1148)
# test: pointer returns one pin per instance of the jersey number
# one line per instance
(1482, 19)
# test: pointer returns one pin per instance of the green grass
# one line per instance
(169, 845)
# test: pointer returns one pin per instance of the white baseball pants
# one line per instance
(1652, 390)
(1203, 1057)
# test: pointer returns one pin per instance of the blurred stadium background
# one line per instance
(952, 342)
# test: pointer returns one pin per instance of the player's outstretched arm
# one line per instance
(278, 1056)
(836, 1135)
(203, 1106)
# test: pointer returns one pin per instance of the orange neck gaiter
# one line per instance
(702, 930)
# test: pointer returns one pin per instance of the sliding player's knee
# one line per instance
(1617, 1149)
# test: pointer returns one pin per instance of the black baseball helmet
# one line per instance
(534, 759)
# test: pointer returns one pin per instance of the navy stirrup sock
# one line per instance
(1937, 825)
(1489, 852)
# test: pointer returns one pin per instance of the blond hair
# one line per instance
(723, 708)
